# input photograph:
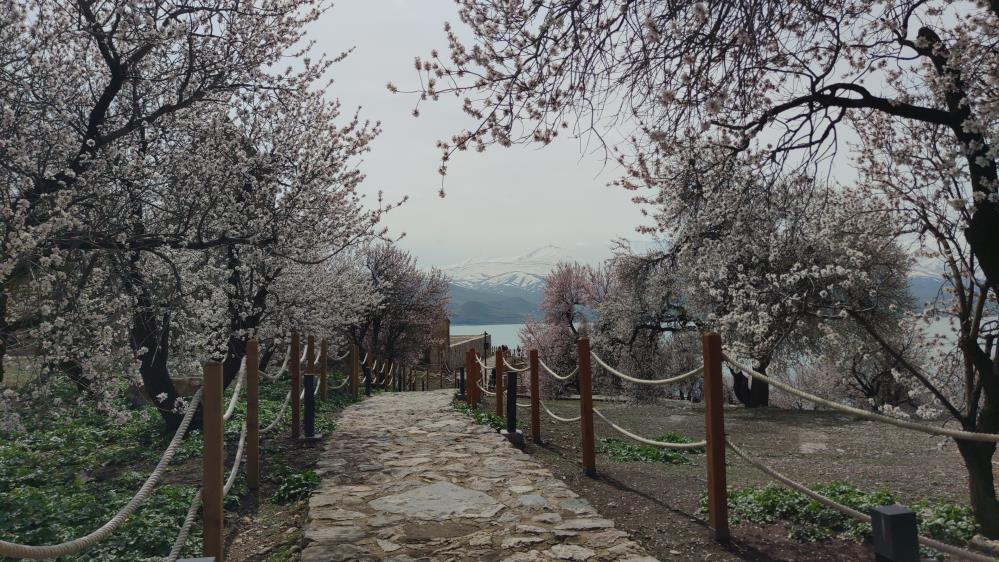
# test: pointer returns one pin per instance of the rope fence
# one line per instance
(215, 415)
(714, 444)
(857, 412)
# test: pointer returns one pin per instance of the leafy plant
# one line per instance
(624, 451)
(811, 521)
(296, 487)
(480, 417)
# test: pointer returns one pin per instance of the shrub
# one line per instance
(296, 486)
(620, 450)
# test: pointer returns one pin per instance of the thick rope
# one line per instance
(365, 360)
(479, 384)
(519, 405)
(241, 377)
(15, 550)
(342, 357)
(185, 528)
(556, 375)
(341, 385)
(661, 444)
(463, 342)
(511, 369)
(280, 414)
(192, 510)
(557, 417)
(849, 511)
(623, 376)
(282, 370)
(955, 433)
(481, 362)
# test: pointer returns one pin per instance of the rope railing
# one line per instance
(849, 511)
(932, 430)
(661, 444)
(511, 369)
(556, 417)
(463, 342)
(280, 414)
(487, 393)
(671, 380)
(15, 550)
(236, 390)
(556, 375)
(192, 510)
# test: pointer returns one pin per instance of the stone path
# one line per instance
(405, 477)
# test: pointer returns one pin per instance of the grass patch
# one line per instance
(810, 521)
(480, 417)
(72, 468)
(624, 451)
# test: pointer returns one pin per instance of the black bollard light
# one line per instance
(514, 435)
(367, 380)
(461, 384)
(309, 421)
(894, 532)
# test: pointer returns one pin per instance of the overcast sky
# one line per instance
(500, 203)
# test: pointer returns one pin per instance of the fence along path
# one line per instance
(209, 497)
(715, 441)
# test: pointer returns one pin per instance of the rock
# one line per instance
(532, 501)
(387, 546)
(550, 518)
(442, 500)
(577, 506)
(334, 553)
(569, 552)
(585, 524)
(334, 534)
(514, 542)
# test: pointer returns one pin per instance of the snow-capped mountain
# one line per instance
(507, 274)
(501, 290)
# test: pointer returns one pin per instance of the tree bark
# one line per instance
(751, 393)
(981, 485)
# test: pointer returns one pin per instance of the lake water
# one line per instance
(508, 334)
(502, 334)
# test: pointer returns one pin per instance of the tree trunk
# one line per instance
(981, 486)
(751, 393)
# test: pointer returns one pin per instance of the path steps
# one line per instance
(405, 477)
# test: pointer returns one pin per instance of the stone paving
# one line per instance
(406, 477)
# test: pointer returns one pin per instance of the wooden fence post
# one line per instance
(355, 366)
(535, 399)
(211, 460)
(468, 377)
(253, 415)
(498, 358)
(586, 407)
(714, 424)
(295, 372)
(323, 367)
(369, 374)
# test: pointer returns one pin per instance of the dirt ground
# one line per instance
(658, 503)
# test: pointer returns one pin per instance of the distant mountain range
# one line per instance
(504, 290)
(507, 290)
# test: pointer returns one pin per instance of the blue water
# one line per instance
(502, 334)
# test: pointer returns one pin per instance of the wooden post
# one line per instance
(295, 372)
(586, 408)
(714, 424)
(498, 357)
(468, 377)
(535, 399)
(252, 415)
(369, 374)
(211, 460)
(324, 361)
(355, 366)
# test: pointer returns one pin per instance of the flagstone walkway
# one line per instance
(406, 477)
